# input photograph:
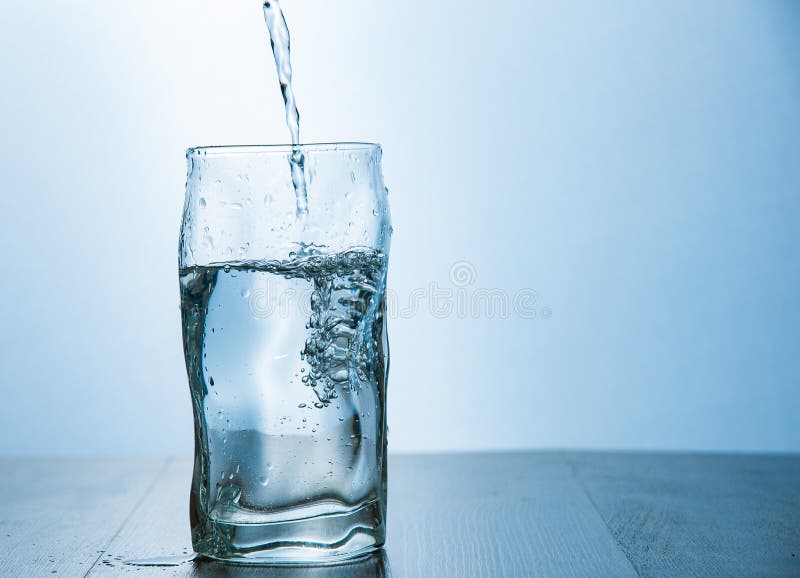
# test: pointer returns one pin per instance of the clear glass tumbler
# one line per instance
(286, 351)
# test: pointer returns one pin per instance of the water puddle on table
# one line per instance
(161, 560)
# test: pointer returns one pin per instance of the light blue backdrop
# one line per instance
(635, 164)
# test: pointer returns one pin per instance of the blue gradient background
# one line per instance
(635, 164)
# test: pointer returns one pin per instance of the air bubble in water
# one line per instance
(329, 342)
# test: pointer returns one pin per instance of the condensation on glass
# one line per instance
(286, 351)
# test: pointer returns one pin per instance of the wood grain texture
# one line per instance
(699, 515)
(57, 516)
(505, 515)
(159, 527)
(481, 515)
(457, 515)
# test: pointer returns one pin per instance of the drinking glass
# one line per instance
(284, 335)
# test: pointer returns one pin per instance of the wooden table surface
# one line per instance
(461, 515)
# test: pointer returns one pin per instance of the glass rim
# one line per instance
(279, 148)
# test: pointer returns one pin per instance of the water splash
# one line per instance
(281, 50)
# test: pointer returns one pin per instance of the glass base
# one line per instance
(320, 540)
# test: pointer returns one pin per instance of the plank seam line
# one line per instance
(588, 495)
(136, 506)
